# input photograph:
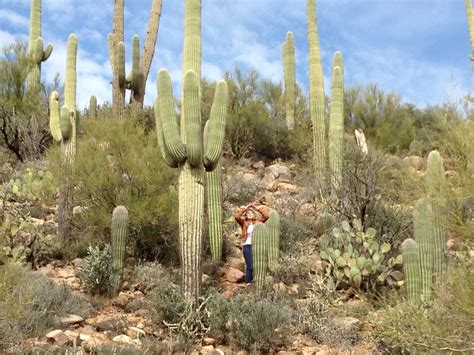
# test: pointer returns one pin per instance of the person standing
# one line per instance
(247, 217)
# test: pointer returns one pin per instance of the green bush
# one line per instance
(33, 185)
(96, 270)
(149, 275)
(118, 163)
(29, 304)
(292, 232)
(445, 326)
(355, 259)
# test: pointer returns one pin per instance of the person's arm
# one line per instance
(263, 211)
(238, 216)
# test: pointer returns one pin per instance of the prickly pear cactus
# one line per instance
(273, 226)
(119, 241)
(316, 95)
(411, 269)
(36, 51)
(336, 123)
(290, 79)
(260, 255)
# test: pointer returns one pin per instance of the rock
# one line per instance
(57, 337)
(207, 349)
(209, 341)
(74, 283)
(215, 352)
(286, 187)
(113, 323)
(77, 210)
(77, 262)
(295, 289)
(415, 162)
(268, 180)
(66, 272)
(124, 339)
(122, 299)
(70, 319)
(228, 294)
(313, 262)
(347, 324)
(234, 275)
(258, 165)
(73, 336)
(356, 307)
(280, 172)
(281, 287)
(237, 263)
(450, 174)
(136, 304)
(135, 333)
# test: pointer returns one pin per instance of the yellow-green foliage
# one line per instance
(445, 327)
(119, 164)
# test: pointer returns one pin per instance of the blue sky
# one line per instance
(417, 48)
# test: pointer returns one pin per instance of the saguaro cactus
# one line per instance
(290, 81)
(336, 122)
(35, 46)
(63, 125)
(470, 22)
(273, 226)
(136, 81)
(316, 95)
(260, 255)
(436, 192)
(411, 269)
(119, 241)
(93, 107)
(214, 210)
(422, 218)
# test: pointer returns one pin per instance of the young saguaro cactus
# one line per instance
(411, 269)
(436, 194)
(119, 241)
(63, 125)
(290, 81)
(260, 255)
(93, 107)
(316, 95)
(36, 51)
(470, 22)
(336, 122)
(273, 226)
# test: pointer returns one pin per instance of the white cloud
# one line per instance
(6, 38)
(13, 17)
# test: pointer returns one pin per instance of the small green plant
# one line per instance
(96, 270)
(353, 258)
(36, 185)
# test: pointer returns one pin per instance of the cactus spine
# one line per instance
(436, 191)
(119, 241)
(470, 22)
(63, 126)
(35, 46)
(290, 81)
(273, 226)
(184, 147)
(93, 107)
(316, 95)
(411, 269)
(260, 255)
(423, 215)
(336, 122)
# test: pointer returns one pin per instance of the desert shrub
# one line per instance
(118, 163)
(355, 259)
(445, 326)
(292, 268)
(366, 194)
(239, 191)
(96, 270)
(149, 275)
(259, 325)
(292, 232)
(29, 304)
(23, 114)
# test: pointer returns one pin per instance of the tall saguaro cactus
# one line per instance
(260, 255)
(316, 95)
(93, 107)
(336, 122)
(119, 230)
(290, 80)
(186, 148)
(63, 125)
(436, 192)
(136, 81)
(411, 269)
(470, 22)
(36, 51)
(273, 226)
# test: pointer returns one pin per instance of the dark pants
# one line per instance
(247, 250)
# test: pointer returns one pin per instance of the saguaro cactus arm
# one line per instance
(470, 22)
(119, 241)
(290, 81)
(192, 116)
(411, 268)
(217, 121)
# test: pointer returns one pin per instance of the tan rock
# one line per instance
(286, 187)
(66, 272)
(70, 319)
(122, 299)
(415, 161)
(209, 341)
(73, 336)
(135, 333)
(237, 263)
(228, 294)
(258, 165)
(234, 275)
(58, 338)
(124, 339)
(207, 349)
